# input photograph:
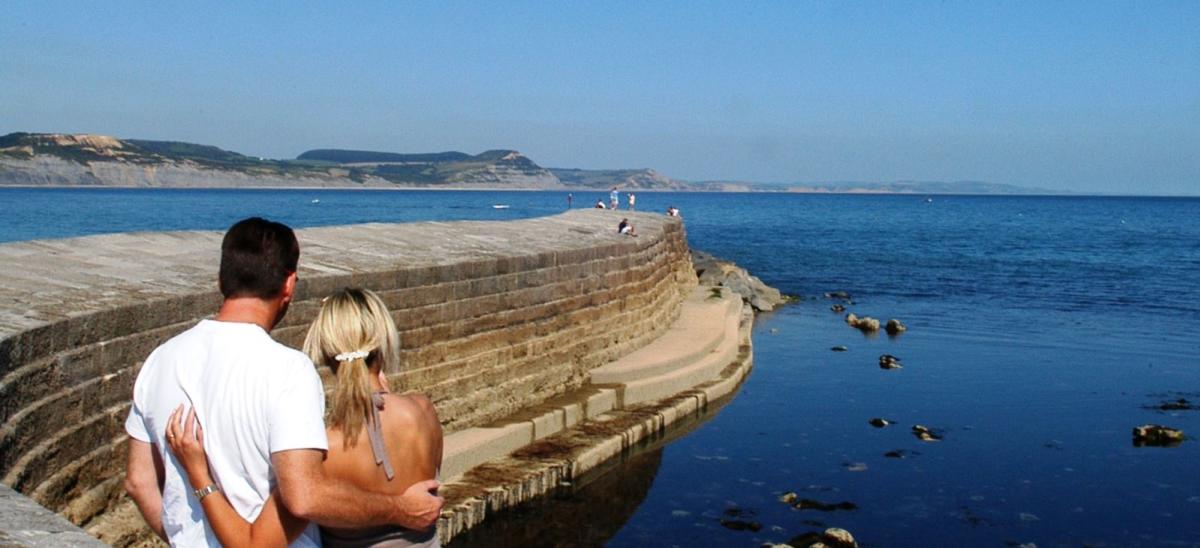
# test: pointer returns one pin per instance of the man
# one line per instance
(262, 407)
(614, 198)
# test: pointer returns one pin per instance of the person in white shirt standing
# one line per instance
(262, 407)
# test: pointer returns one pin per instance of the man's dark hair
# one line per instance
(257, 256)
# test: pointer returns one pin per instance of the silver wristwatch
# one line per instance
(206, 491)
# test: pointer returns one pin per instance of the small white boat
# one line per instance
(316, 200)
(499, 206)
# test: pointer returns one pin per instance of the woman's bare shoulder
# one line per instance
(410, 407)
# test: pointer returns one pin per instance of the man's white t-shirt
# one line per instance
(253, 397)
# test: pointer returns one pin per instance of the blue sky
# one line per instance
(1086, 96)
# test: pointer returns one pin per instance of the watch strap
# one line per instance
(206, 491)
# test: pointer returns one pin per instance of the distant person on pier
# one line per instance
(632, 201)
(262, 407)
(570, 198)
(354, 336)
(614, 198)
(600, 204)
(672, 211)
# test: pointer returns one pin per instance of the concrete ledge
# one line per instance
(468, 448)
(684, 378)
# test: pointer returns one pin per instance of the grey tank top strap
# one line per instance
(375, 433)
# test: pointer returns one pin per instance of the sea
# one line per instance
(1041, 331)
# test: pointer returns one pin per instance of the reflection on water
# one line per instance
(577, 515)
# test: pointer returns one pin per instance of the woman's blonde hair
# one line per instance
(353, 333)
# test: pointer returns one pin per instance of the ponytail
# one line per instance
(352, 334)
(351, 399)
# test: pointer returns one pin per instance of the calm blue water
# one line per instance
(1041, 330)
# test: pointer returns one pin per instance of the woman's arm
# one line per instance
(275, 526)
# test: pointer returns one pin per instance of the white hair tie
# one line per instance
(350, 356)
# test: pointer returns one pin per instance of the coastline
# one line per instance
(597, 190)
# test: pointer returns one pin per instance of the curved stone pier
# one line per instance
(495, 318)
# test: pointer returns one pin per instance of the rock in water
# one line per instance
(810, 504)
(741, 525)
(924, 434)
(788, 497)
(715, 272)
(1180, 404)
(888, 361)
(839, 538)
(865, 323)
(837, 295)
(838, 308)
(1156, 435)
(880, 423)
(894, 327)
(839, 348)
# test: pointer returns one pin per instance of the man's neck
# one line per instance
(249, 310)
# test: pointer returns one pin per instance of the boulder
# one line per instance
(924, 434)
(888, 361)
(718, 273)
(839, 538)
(788, 497)
(894, 327)
(880, 423)
(865, 323)
(1156, 435)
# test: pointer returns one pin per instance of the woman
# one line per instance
(378, 441)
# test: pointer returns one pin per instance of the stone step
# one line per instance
(65, 491)
(466, 449)
(65, 445)
(700, 329)
(684, 378)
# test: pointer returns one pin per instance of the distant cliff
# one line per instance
(624, 178)
(97, 160)
(493, 169)
(53, 159)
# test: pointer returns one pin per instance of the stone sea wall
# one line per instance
(494, 317)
